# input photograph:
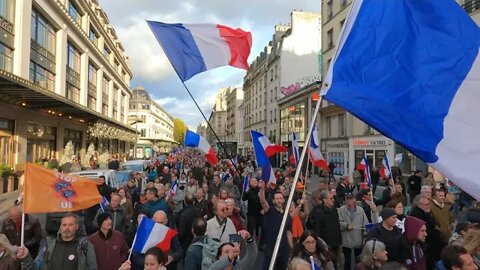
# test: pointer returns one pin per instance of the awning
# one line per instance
(23, 93)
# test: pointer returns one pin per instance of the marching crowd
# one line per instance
(225, 216)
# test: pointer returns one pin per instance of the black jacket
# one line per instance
(326, 225)
(254, 206)
(341, 190)
(396, 246)
(184, 224)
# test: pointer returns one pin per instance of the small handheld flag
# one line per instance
(295, 149)
(245, 183)
(314, 151)
(103, 203)
(151, 234)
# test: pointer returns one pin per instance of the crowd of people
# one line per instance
(221, 223)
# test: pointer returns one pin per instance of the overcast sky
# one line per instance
(152, 70)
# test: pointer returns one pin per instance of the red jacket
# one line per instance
(111, 251)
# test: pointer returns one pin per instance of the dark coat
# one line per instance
(33, 233)
(395, 246)
(254, 206)
(326, 225)
(184, 225)
(193, 257)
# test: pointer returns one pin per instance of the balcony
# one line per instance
(471, 5)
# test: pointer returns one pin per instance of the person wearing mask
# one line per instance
(273, 215)
(110, 246)
(220, 226)
(442, 215)
(390, 235)
(66, 251)
(415, 236)
(374, 255)
(254, 216)
(154, 203)
(228, 256)
(309, 245)
(185, 218)
(456, 258)
(12, 228)
(352, 223)
(155, 259)
(434, 240)
(327, 224)
(116, 211)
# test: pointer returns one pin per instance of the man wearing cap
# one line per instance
(110, 246)
(352, 226)
(390, 235)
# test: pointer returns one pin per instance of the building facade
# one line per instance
(218, 120)
(234, 101)
(202, 129)
(64, 78)
(153, 124)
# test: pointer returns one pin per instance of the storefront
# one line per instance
(337, 151)
(41, 142)
(6, 141)
(373, 147)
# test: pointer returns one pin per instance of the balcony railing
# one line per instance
(471, 5)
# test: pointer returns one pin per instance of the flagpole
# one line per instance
(306, 175)
(196, 104)
(295, 179)
(22, 233)
(135, 239)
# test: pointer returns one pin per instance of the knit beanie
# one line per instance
(387, 212)
(102, 217)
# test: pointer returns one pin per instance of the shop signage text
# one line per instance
(363, 142)
(337, 145)
(293, 88)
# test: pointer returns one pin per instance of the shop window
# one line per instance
(75, 136)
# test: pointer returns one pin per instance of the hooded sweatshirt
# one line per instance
(416, 256)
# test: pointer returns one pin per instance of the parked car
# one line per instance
(111, 178)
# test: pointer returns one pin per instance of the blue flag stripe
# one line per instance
(143, 232)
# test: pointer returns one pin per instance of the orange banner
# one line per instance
(48, 191)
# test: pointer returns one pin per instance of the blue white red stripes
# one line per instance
(413, 80)
(260, 145)
(314, 151)
(386, 170)
(192, 139)
(295, 149)
(151, 234)
(195, 48)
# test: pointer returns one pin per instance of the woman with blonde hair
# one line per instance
(7, 255)
(472, 245)
(374, 255)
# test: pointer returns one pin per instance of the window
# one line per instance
(143, 132)
(122, 107)
(92, 87)
(105, 96)
(7, 10)
(330, 38)
(41, 76)
(341, 125)
(343, 3)
(6, 55)
(329, 126)
(42, 33)
(73, 58)
(73, 93)
(329, 9)
(106, 52)
(93, 36)
(73, 11)
(115, 99)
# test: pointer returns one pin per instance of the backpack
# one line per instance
(209, 251)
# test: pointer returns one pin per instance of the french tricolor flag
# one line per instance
(385, 171)
(416, 80)
(316, 156)
(192, 139)
(195, 48)
(260, 145)
(151, 234)
(295, 150)
(363, 166)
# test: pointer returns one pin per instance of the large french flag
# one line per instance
(411, 70)
(195, 48)
(314, 151)
(192, 139)
(151, 234)
(260, 145)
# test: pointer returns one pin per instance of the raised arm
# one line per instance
(261, 196)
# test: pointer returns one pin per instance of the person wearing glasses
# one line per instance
(309, 245)
(374, 255)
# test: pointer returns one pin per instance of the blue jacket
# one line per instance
(153, 206)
